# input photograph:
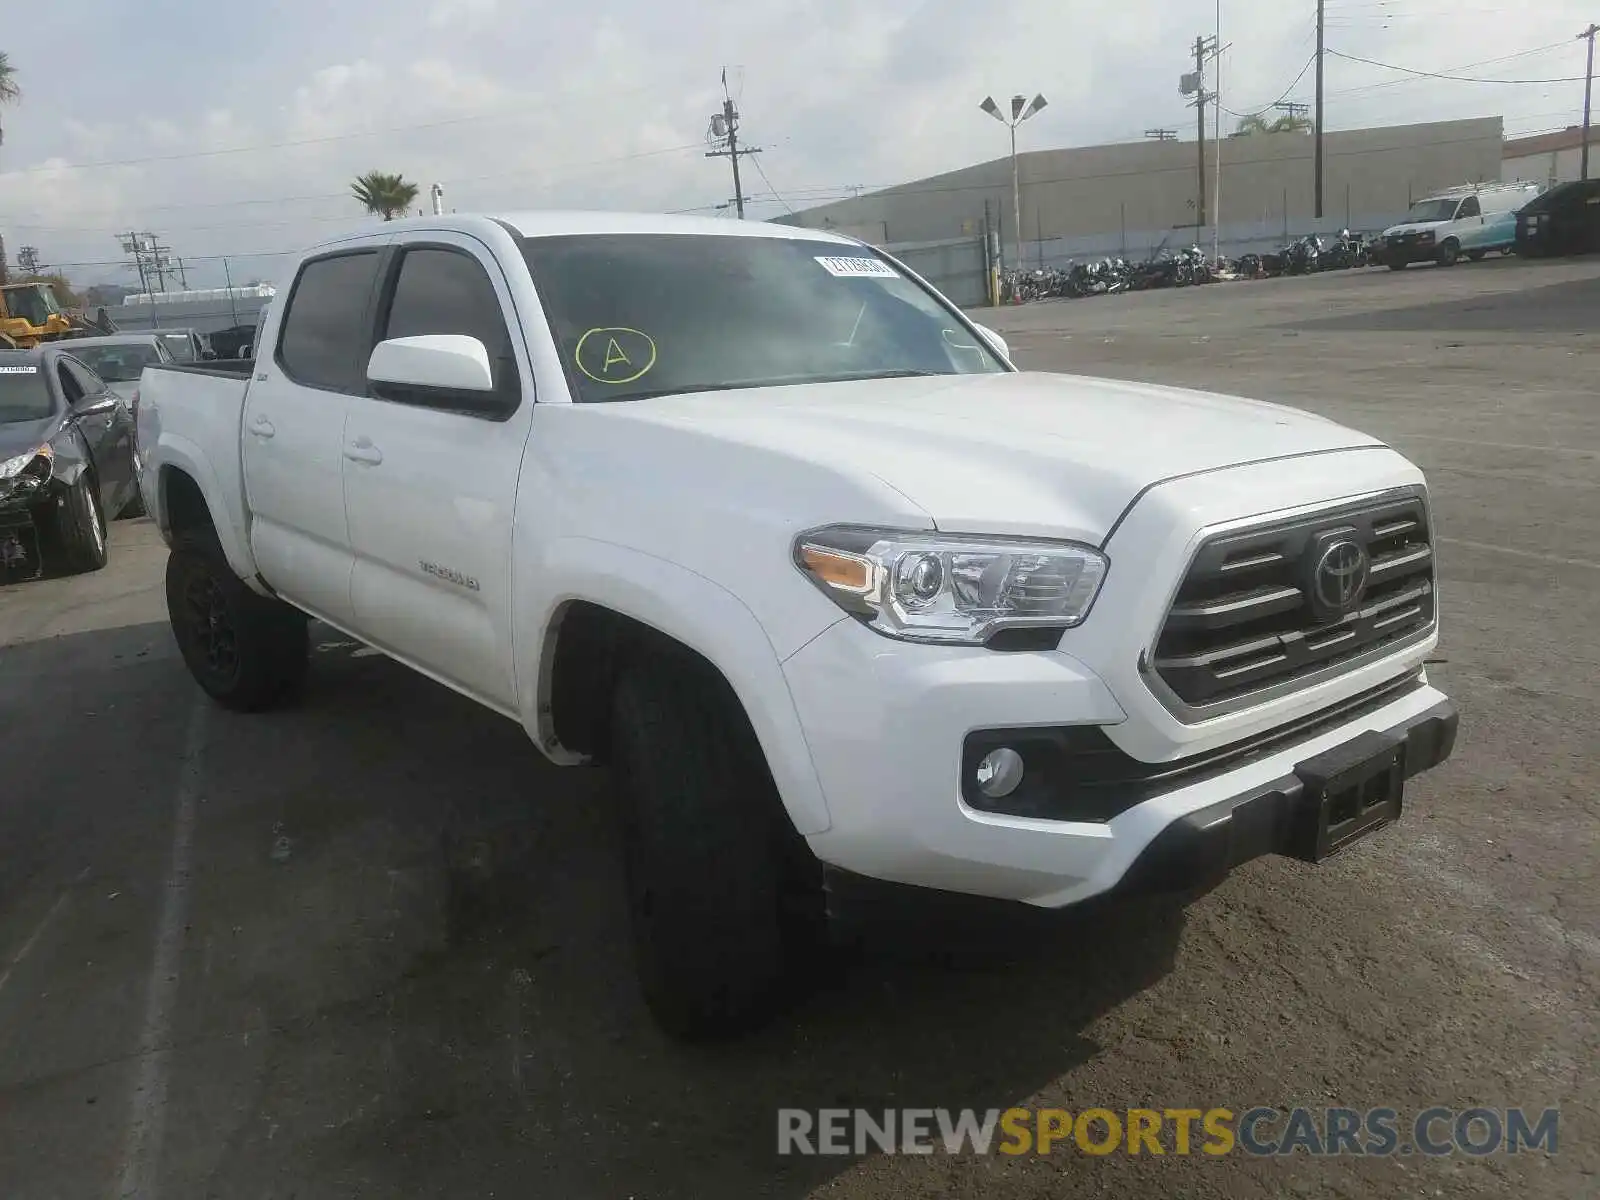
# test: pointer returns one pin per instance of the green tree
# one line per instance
(10, 93)
(387, 196)
(1288, 123)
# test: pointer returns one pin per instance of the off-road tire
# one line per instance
(725, 900)
(246, 651)
(79, 527)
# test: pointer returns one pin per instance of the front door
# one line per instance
(294, 422)
(430, 492)
(103, 419)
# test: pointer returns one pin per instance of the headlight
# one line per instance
(12, 467)
(952, 588)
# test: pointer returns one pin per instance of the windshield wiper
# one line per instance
(891, 374)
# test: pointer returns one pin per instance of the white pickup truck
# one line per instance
(756, 517)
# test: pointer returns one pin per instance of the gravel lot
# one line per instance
(325, 1006)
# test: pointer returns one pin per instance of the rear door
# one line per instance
(429, 491)
(294, 421)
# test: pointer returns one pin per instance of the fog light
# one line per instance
(1000, 773)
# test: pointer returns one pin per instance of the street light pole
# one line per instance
(1016, 197)
(1021, 109)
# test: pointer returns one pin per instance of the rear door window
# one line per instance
(324, 340)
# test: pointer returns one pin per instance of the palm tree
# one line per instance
(386, 195)
(10, 93)
(1288, 123)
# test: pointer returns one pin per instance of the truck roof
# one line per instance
(557, 223)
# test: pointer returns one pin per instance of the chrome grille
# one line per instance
(1256, 610)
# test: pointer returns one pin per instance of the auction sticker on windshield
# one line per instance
(857, 267)
(19, 370)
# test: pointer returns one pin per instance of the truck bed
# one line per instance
(190, 416)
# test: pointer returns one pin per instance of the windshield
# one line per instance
(118, 364)
(34, 303)
(639, 315)
(180, 346)
(1432, 210)
(24, 396)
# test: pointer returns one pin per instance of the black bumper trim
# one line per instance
(1077, 773)
(1197, 851)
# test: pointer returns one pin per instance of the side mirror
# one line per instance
(441, 370)
(996, 341)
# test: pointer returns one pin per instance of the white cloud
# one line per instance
(470, 13)
(606, 104)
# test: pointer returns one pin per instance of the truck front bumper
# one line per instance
(895, 732)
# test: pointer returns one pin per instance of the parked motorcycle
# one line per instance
(1303, 257)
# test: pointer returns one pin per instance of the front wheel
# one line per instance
(722, 893)
(1449, 254)
(247, 652)
(80, 526)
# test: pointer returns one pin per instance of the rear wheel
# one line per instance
(246, 651)
(80, 526)
(1397, 266)
(1477, 255)
(722, 894)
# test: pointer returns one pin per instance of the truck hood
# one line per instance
(1412, 227)
(22, 436)
(1025, 453)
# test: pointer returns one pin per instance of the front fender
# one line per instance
(155, 483)
(687, 607)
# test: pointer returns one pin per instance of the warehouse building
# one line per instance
(1550, 158)
(1132, 198)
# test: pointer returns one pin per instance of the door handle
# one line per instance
(262, 428)
(363, 451)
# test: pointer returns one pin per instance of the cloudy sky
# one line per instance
(233, 128)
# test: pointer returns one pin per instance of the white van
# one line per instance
(1469, 220)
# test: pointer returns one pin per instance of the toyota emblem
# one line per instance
(1340, 575)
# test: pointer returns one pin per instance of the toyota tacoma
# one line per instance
(754, 516)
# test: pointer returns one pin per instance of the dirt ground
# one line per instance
(235, 962)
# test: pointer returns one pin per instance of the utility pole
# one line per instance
(1588, 89)
(724, 134)
(1194, 84)
(134, 243)
(1317, 184)
(1200, 111)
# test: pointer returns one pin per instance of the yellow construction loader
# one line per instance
(30, 314)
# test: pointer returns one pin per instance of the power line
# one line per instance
(345, 196)
(1486, 62)
(1372, 62)
(522, 110)
(756, 163)
(1256, 112)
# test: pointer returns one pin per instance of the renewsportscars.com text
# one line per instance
(1179, 1131)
